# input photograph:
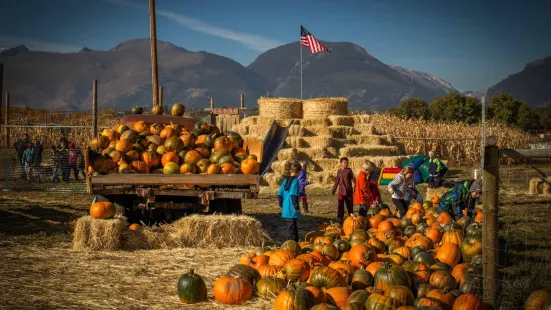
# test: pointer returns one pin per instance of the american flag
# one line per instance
(307, 39)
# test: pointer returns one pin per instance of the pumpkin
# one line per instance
(191, 288)
(201, 127)
(468, 301)
(235, 139)
(270, 287)
(177, 109)
(250, 166)
(401, 293)
(338, 296)
(427, 302)
(350, 224)
(362, 254)
(139, 126)
(137, 110)
(459, 271)
(376, 220)
(449, 253)
(173, 144)
(268, 270)
(111, 134)
(405, 252)
(223, 143)
(280, 258)
(150, 158)
(294, 297)
(537, 300)
(160, 150)
(244, 272)
(188, 168)
(123, 146)
(443, 280)
(444, 218)
(326, 277)
(445, 297)
(157, 110)
(187, 138)
(377, 301)
(319, 295)
(389, 275)
(213, 169)
(434, 235)
(453, 236)
(232, 291)
(170, 157)
(291, 246)
(361, 279)
(470, 247)
(342, 246)
(227, 168)
(102, 210)
(167, 132)
(474, 231)
(139, 166)
(192, 157)
(296, 270)
(418, 272)
(324, 306)
(171, 168)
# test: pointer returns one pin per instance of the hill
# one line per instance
(64, 81)
(349, 71)
(530, 85)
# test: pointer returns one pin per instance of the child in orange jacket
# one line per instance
(366, 193)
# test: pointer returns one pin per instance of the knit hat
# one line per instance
(476, 186)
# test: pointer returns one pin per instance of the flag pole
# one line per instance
(300, 45)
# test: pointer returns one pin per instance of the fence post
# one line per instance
(161, 95)
(425, 145)
(94, 108)
(242, 101)
(490, 245)
(7, 119)
(154, 68)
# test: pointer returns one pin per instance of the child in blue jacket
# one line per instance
(288, 198)
(302, 182)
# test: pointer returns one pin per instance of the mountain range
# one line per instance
(64, 81)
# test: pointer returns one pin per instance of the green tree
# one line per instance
(455, 107)
(415, 108)
(506, 109)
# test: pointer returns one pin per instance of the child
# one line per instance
(366, 192)
(344, 180)
(302, 181)
(288, 198)
(398, 188)
(28, 161)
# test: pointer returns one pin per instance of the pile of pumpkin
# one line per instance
(379, 261)
(170, 149)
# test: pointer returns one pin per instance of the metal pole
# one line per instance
(490, 244)
(300, 69)
(483, 133)
(154, 71)
(242, 101)
(161, 95)
(94, 108)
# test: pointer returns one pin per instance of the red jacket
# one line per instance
(366, 191)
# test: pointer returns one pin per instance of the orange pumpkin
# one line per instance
(385, 226)
(227, 168)
(449, 253)
(187, 138)
(150, 158)
(434, 235)
(376, 220)
(123, 146)
(134, 226)
(362, 254)
(232, 291)
(468, 301)
(250, 166)
(167, 133)
(139, 126)
(223, 143)
(213, 169)
(192, 157)
(170, 157)
(444, 218)
(435, 199)
(102, 210)
(280, 258)
(139, 166)
(268, 270)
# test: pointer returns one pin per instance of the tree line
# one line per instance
(455, 107)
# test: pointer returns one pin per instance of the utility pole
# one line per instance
(154, 70)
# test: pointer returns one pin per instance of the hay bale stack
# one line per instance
(220, 231)
(280, 108)
(539, 186)
(534, 184)
(98, 234)
(431, 192)
(337, 120)
(319, 108)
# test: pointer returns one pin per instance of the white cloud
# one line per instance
(254, 42)
(37, 45)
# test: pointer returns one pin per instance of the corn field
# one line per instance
(457, 151)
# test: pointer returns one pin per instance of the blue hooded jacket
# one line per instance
(288, 189)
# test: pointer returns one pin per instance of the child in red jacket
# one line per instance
(366, 193)
(344, 181)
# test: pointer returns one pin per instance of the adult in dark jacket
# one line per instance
(20, 147)
(435, 171)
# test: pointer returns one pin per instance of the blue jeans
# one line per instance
(55, 174)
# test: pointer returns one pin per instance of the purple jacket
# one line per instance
(302, 182)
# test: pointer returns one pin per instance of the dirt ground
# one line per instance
(41, 271)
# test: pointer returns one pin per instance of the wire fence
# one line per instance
(524, 233)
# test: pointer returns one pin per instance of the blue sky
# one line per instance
(472, 44)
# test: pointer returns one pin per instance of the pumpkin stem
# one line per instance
(192, 272)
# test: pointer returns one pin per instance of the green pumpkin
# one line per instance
(301, 297)
(327, 278)
(245, 272)
(270, 287)
(240, 157)
(216, 155)
(137, 110)
(207, 141)
(424, 288)
(202, 164)
(324, 307)
(191, 288)
(390, 274)
(291, 246)
(137, 147)
(361, 279)
(200, 128)
(214, 130)
(174, 144)
(235, 138)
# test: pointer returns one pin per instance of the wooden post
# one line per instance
(490, 245)
(267, 94)
(161, 95)
(154, 70)
(94, 108)
(242, 101)
(1, 90)
(212, 116)
(7, 119)
(425, 146)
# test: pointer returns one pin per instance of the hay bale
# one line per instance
(431, 192)
(337, 120)
(363, 139)
(318, 108)
(314, 122)
(369, 150)
(251, 120)
(534, 186)
(271, 179)
(220, 231)
(280, 108)
(98, 234)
